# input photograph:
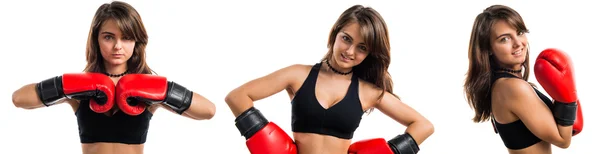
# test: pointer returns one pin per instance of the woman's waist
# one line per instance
(111, 148)
(541, 147)
(318, 143)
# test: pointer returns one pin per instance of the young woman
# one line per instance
(497, 88)
(115, 55)
(329, 98)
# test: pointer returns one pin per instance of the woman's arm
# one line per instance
(26, 97)
(522, 100)
(242, 98)
(416, 125)
(59, 89)
(251, 123)
(200, 108)
(418, 128)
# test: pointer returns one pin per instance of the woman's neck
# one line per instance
(335, 66)
(517, 73)
(516, 70)
(520, 75)
(115, 69)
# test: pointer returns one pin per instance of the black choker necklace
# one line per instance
(115, 75)
(336, 71)
(510, 70)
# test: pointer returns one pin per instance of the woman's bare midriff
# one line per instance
(309, 143)
(538, 148)
(112, 148)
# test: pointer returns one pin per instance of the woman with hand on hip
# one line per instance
(329, 98)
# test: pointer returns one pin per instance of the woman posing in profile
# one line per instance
(497, 88)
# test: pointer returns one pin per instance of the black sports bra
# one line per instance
(118, 128)
(515, 135)
(340, 120)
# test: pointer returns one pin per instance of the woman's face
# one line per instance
(115, 48)
(509, 46)
(349, 48)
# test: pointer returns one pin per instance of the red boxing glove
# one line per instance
(96, 87)
(150, 89)
(271, 139)
(378, 145)
(401, 144)
(554, 71)
(263, 137)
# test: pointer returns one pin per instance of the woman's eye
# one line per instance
(345, 38)
(363, 48)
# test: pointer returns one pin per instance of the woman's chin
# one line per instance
(115, 62)
(345, 66)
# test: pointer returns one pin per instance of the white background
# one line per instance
(224, 44)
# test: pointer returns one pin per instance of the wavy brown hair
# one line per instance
(130, 23)
(478, 83)
(374, 68)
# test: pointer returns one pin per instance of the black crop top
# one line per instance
(118, 128)
(340, 120)
(515, 135)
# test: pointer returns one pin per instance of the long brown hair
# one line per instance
(130, 23)
(374, 68)
(478, 83)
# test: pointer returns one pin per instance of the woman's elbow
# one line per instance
(205, 111)
(210, 111)
(22, 97)
(206, 114)
(563, 145)
(229, 99)
(18, 101)
(238, 101)
(233, 96)
(559, 140)
(428, 127)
